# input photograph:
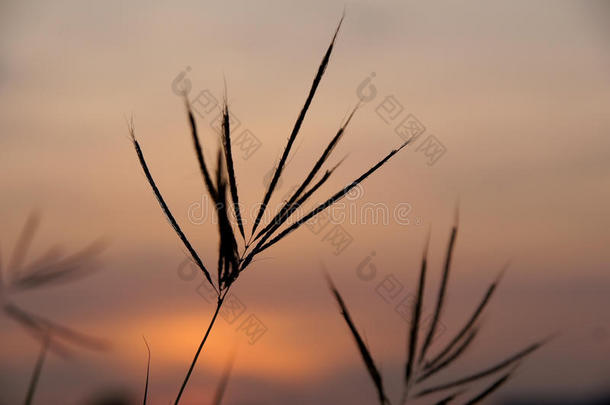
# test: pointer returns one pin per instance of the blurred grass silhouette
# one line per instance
(50, 269)
(419, 368)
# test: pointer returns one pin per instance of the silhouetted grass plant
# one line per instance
(233, 260)
(51, 268)
(421, 367)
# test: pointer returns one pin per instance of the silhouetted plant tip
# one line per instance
(425, 368)
(224, 186)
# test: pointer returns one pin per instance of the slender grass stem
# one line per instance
(37, 371)
(221, 299)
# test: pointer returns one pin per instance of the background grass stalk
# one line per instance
(37, 371)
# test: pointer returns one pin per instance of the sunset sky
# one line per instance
(515, 95)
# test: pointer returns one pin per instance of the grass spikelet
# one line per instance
(295, 206)
(51, 268)
(340, 194)
(460, 349)
(165, 208)
(228, 255)
(489, 390)
(226, 143)
(441, 293)
(199, 152)
(295, 129)
(484, 373)
(277, 220)
(364, 351)
(469, 324)
(418, 372)
(415, 318)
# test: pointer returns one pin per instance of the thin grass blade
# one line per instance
(23, 245)
(469, 324)
(460, 349)
(165, 208)
(332, 199)
(228, 250)
(198, 150)
(441, 294)
(486, 372)
(302, 200)
(53, 255)
(287, 215)
(295, 130)
(64, 270)
(415, 318)
(489, 390)
(364, 351)
(22, 318)
(226, 143)
(277, 220)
